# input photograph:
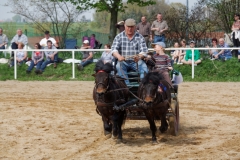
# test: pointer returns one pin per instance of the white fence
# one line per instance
(198, 49)
(77, 50)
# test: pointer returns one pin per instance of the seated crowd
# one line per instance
(178, 56)
(49, 44)
(221, 54)
(185, 56)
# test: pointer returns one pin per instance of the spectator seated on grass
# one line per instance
(188, 56)
(224, 54)
(47, 37)
(19, 37)
(94, 43)
(177, 54)
(106, 55)
(213, 52)
(87, 56)
(51, 57)
(37, 59)
(183, 45)
(21, 56)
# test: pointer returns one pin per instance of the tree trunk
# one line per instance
(113, 21)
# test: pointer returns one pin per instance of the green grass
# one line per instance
(212, 71)
(62, 72)
(207, 71)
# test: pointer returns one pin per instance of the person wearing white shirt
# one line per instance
(43, 42)
(18, 38)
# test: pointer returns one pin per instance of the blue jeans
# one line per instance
(48, 61)
(12, 62)
(86, 62)
(159, 38)
(38, 65)
(3, 47)
(125, 66)
(222, 57)
(142, 67)
(214, 53)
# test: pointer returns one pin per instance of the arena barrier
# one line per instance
(95, 50)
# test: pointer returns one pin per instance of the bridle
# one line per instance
(144, 94)
(105, 85)
(158, 97)
(108, 84)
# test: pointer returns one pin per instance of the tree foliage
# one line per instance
(111, 6)
(196, 26)
(47, 15)
(16, 18)
(160, 7)
(101, 22)
(201, 20)
(225, 10)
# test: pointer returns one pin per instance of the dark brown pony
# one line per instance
(156, 99)
(109, 92)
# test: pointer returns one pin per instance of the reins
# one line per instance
(114, 90)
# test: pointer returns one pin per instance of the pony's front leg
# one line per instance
(107, 126)
(121, 117)
(115, 125)
(164, 124)
(152, 127)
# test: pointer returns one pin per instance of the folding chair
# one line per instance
(70, 44)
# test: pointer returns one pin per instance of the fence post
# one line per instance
(192, 63)
(73, 65)
(15, 64)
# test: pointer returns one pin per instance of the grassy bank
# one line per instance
(216, 71)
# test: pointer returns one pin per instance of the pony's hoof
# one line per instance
(107, 133)
(163, 129)
(114, 133)
(119, 141)
(114, 137)
(154, 142)
(107, 136)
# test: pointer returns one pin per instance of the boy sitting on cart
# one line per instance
(163, 65)
(163, 61)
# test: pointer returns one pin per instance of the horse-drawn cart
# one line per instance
(151, 99)
(135, 112)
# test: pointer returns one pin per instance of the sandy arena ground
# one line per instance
(57, 120)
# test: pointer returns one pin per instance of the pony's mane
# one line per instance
(108, 67)
(152, 77)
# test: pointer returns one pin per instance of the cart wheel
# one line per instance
(174, 119)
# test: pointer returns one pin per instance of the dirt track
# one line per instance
(57, 120)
